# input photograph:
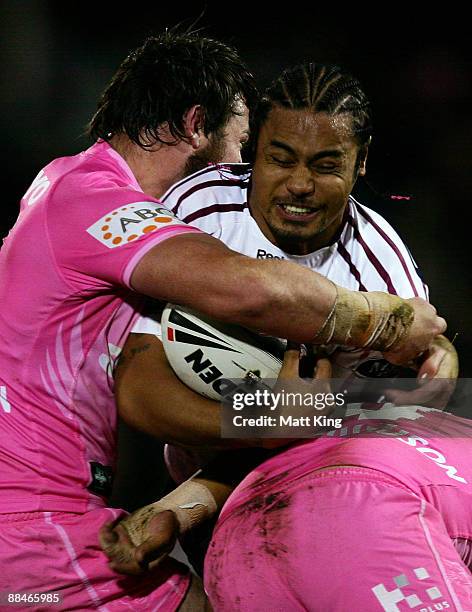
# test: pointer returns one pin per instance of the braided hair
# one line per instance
(319, 88)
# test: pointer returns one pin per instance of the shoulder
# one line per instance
(373, 230)
(223, 187)
(373, 241)
(372, 223)
(92, 184)
(91, 171)
(93, 197)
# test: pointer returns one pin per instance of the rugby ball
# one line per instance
(210, 356)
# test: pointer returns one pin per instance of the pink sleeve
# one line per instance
(99, 238)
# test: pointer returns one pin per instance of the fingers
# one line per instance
(434, 394)
(420, 300)
(107, 536)
(127, 558)
(431, 365)
(440, 363)
(323, 369)
(291, 362)
(425, 327)
(151, 552)
(119, 549)
(441, 326)
(163, 530)
(111, 534)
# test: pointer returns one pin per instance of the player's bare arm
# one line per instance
(143, 539)
(146, 537)
(151, 398)
(283, 299)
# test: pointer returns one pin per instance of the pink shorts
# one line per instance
(58, 553)
(339, 539)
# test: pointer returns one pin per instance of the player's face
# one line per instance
(224, 145)
(304, 171)
(235, 134)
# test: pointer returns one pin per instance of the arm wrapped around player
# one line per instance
(379, 321)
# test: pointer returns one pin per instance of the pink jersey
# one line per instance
(55, 559)
(427, 450)
(67, 308)
(393, 533)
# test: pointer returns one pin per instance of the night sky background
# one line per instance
(56, 57)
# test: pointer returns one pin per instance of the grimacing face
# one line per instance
(224, 145)
(304, 171)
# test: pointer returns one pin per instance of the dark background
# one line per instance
(55, 58)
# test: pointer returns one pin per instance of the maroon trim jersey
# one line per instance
(366, 255)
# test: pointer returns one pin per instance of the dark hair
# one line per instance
(158, 82)
(320, 88)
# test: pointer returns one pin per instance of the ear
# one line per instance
(363, 158)
(193, 121)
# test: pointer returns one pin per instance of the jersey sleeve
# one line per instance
(100, 238)
(148, 325)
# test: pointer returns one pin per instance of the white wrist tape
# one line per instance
(373, 320)
(191, 502)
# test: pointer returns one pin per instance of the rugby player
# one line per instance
(375, 516)
(311, 133)
(90, 240)
(310, 150)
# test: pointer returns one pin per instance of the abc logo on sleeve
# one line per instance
(130, 222)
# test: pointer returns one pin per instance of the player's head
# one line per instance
(311, 132)
(179, 87)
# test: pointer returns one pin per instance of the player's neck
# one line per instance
(155, 169)
(294, 246)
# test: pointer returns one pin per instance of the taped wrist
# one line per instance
(191, 503)
(372, 319)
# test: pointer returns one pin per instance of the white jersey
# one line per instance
(366, 254)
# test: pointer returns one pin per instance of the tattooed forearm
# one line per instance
(135, 345)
